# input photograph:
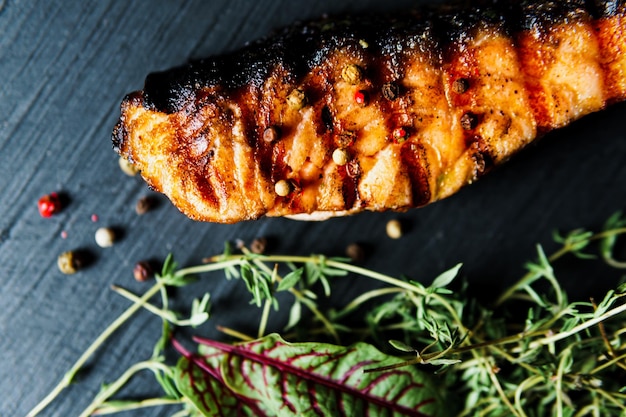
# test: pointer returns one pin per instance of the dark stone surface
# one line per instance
(65, 67)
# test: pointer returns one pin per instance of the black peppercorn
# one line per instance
(355, 252)
(469, 121)
(258, 245)
(143, 271)
(144, 205)
(460, 85)
(271, 134)
(391, 91)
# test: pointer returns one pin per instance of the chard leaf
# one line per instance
(198, 379)
(277, 378)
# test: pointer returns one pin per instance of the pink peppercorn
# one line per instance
(361, 97)
(49, 204)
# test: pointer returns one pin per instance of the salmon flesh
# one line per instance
(370, 112)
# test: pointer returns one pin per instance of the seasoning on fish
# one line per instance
(451, 93)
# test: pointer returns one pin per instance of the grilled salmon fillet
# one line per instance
(378, 112)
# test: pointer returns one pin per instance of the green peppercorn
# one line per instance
(296, 99)
(68, 262)
(352, 74)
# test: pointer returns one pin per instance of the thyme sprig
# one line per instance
(561, 358)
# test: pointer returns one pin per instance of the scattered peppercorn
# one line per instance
(352, 74)
(391, 91)
(271, 134)
(68, 262)
(282, 188)
(469, 121)
(105, 237)
(353, 169)
(460, 85)
(345, 139)
(355, 252)
(258, 245)
(49, 204)
(399, 134)
(340, 156)
(127, 168)
(143, 271)
(394, 229)
(144, 205)
(94, 218)
(296, 99)
(361, 97)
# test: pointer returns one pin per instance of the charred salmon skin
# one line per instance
(380, 112)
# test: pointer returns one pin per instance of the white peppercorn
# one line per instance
(105, 237)
(282, 188)
(394, 229)
(127, 168)
(340, 156)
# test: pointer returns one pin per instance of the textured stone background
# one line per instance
(64, 68)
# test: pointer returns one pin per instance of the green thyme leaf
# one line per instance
(290, 280)
(401, 346)
(607, 244)
(446, 277)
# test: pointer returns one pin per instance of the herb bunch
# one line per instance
(558, 357)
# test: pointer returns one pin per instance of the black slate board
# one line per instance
(65, 66)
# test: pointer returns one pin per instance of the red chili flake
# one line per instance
(361, 97)
(399, 134)
(94, 218)
(49, 204)
(63, 234)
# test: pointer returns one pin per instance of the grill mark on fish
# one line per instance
(413, 158)
(466, 89)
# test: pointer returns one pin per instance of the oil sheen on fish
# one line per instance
(370, 112)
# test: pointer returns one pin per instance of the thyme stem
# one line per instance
(112, 388)
(499, 389)
(589, 323)
(401, 284)
(264, 318)
(234, 333)
(363, 298)
(69, 376)
(106, 408)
